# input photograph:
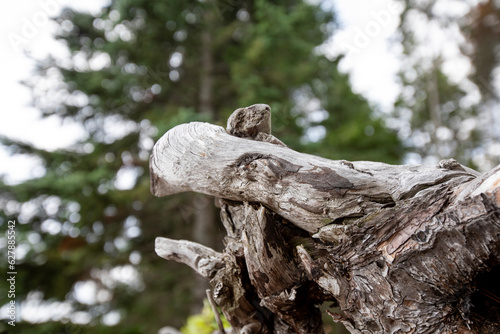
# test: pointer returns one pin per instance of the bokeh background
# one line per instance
(87, 88)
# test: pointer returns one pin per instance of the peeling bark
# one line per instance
(400, 249)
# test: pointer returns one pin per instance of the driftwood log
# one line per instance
(398, 249)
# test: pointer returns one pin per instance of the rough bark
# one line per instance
(398, 248)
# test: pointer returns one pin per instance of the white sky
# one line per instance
(25, 27)
(364, 38)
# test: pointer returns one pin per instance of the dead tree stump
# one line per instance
(399, 249)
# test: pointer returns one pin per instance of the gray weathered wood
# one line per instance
(396, 248)
(205, 261)
(307, 190)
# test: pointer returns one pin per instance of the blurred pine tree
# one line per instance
(87, 227)
(441, 114)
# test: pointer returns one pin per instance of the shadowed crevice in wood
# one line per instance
(326, 180)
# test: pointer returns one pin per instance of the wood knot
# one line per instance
(250, 121)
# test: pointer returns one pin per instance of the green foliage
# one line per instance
(204, 322)
(353, 130)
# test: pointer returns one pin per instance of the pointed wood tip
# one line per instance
(158, 186)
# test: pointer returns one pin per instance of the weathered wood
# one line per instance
(309, 191)
(397, 248)
(253, 122)
(205, 261)
(411, 267)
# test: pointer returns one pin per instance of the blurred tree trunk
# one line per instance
(397, 248)
(204, 214)
(434, 106)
